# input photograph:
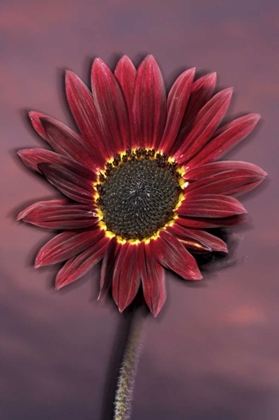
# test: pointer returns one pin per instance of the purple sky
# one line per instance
(213, 353)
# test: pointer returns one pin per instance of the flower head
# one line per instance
(141, 178)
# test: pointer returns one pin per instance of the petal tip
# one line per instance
(261, 173)
(70, 77)
(256, 117)
(196, 276)
(125, 57)
(99, 296)
(39, 260)
(228, 91)
(150, 59)
(38, 264)
(32, 115)
(155, 311)
(35, 116)
(264, 174)
(98, 62)
(20, 216)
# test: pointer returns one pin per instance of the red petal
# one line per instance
(202, 90)
(214, 168)
(61, 138)
(108, 264)
(125, 73)
(35, 118)
(66, 142)
(199, 239)
(224, 185)
(126, 277)
(39, 204)
(191, 243)
(86, 116)
(33, 157)
(209, 205)
(111, 107)
(58, 214)
(204, 125)
(66, 245)
(71, 184)
(77, 267)
(149, 107)
(204, 223)
(225, 139)
(170, 253)
(225, 178)
(176, 105)
(153, 279)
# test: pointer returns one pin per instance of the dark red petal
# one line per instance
(77, 267)
(199, 239)
(204, 125)
(214, 168)
(188, 241)
(209, 205)
(71, 184)
(176, 105)
(66, 245)
(149, 107)
(223, 184)
(126, 276)
(66, 142)
(204, 223)
(225, 178)
(111, 107)
(225, 139)
(35, 118)
(202, 90)
(58, 214)
(153, 279)
(61, 138)
(33, 157)
(125, 73)
(170, 253)
(86, 116)
(108, 264)
(46, 204)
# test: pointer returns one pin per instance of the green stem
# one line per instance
(128, 370)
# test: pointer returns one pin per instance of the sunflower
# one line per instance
(141, 180)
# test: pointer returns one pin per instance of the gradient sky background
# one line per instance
(213, 353)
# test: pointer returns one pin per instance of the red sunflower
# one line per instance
(141, 180)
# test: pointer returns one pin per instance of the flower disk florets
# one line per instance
(137, 193)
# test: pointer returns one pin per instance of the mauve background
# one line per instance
(213, 353)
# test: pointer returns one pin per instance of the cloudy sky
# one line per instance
(213, 353)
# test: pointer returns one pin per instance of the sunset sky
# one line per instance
(213, 352)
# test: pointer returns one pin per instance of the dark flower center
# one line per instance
(138, 193)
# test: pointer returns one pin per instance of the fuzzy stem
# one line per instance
(128, 370)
